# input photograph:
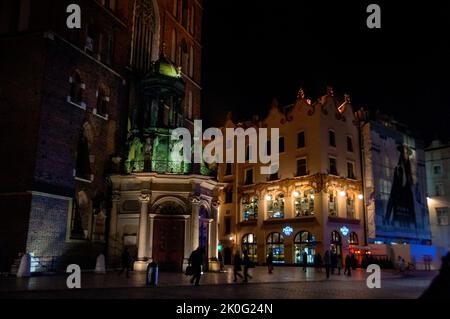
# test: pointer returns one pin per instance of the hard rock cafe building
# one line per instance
(313, 203)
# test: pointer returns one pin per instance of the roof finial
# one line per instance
(301, 94)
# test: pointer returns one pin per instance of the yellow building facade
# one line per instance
(314, 201)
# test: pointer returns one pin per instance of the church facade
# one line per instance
(91, 115)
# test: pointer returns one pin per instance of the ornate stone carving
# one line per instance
(144, 197)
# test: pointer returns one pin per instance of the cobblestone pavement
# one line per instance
(285, 282)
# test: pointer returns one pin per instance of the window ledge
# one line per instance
(104, 117)
(81, 106)
(249, 222)
(84, 180)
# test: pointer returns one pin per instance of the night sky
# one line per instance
(254, 51)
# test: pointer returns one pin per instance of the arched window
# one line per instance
(143, 32)
(173, 46)
(332, 203)
(102, 101)
(304, 241)
(76, 89)
(304, 203)
(83, 165)
(184, 13)
(351, 206)
(275, 207)
(184, 56)
(336, 242)
(353, 239)
(250, 208)
(191, 61)
(250, 245)
(275, 244)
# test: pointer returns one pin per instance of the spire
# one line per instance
(274, 103)
(300, 94)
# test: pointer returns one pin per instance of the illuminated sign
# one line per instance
(288, 230)
(344, 230)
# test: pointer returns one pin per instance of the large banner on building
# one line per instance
(396, 184)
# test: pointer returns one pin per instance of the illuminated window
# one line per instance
(336, 242)
(442, 216)
(304, 242)
(353, 239)
(332, 204)
(275, 244)
(275, 207)
(250, 208)
(249, 244)
(350, 206)
(304, 203)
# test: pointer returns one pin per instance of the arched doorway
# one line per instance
(250, 245)
(304, 242)
(275, 243)
(336, 243)
(168, 236)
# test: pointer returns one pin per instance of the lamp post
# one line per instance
(361, 117)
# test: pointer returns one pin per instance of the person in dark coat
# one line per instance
(304, 260)
(333, 257)
(270, 262)
(237, 266)
(327, 262)
(348, 265)
(318, 262)
(247, 263)
(440, 286)
(126, 262)
(196, 261)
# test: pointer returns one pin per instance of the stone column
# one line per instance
(187, 242)
(141, 263)
(195, 222)
(214, 226)
(113, 244)
(151, 220)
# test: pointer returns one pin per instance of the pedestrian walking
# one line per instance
(221, 261)
(348, 265)
(126, 262)
(339, 264)
(305, 260)
(237, 266)
(247, 263)
(327, 262)
(196, 261)
(318, 262)
(270, 261)
(333, 261)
